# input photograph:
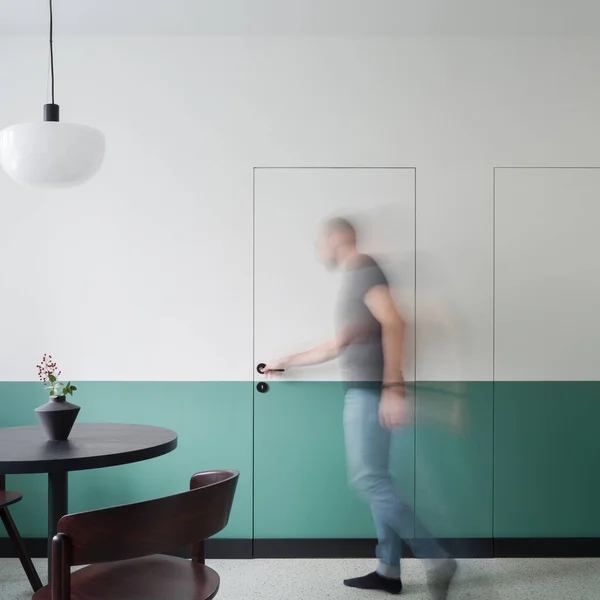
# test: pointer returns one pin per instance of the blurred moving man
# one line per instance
(370, 342)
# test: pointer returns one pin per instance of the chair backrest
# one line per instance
(152, 527)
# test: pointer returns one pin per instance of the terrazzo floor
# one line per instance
(491, 579)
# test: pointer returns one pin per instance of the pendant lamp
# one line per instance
(51, 153)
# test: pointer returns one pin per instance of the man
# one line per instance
(370, 341)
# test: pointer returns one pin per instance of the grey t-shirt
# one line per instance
(362, 359)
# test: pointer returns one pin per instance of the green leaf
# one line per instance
(74, 388)
(52, 378)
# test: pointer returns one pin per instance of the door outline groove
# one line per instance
(252, 503)
(493, 362)
(503, 547)
(414, 369)
(382, 168)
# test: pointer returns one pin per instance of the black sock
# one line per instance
(374, 581)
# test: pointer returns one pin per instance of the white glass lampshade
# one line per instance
(51, 153)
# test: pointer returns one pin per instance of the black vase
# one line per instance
(58, 417)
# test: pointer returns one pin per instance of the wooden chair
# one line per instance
(6, 499)
(123, 546)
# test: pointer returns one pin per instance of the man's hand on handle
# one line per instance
(275, 367)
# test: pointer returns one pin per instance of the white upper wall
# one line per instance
(145, 273)
(303, 17)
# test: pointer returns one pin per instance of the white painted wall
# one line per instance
(145, 273)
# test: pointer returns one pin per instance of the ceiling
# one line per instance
(303, 17)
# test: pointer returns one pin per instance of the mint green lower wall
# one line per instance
(514, 459)
(547, 457)
(213, 420)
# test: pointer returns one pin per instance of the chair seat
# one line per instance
(8, 498)
(151, 578)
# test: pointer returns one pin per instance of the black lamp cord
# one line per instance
(52, 110)
(51, 50)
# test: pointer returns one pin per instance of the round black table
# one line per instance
(90, 446)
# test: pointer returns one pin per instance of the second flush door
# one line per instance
(300, 483)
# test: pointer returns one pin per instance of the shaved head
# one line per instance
(341, 226)
(337, 241)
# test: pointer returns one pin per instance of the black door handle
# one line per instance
(261, 366)
(262, 387)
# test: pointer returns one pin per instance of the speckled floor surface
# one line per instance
(498, 579)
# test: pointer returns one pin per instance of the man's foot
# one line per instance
(439, 579)
(374, 581)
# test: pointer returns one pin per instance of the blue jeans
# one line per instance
(368, 455)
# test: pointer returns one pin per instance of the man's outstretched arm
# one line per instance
(323, 353)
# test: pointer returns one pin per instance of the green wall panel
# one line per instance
(213, 421)
(301, 488)
(547, 451)
(526, 451)
(454, 458)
